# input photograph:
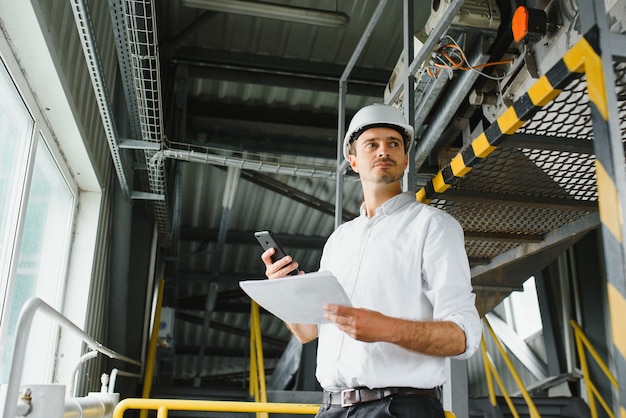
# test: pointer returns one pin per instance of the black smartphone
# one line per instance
(267, 241)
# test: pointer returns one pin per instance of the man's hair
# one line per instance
(356, 134)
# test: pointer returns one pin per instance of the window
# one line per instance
(522, 310)
(16, 126)
(35, 233)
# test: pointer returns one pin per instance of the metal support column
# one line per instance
(343, 86)
(610, 177)
(228, 200)
(410, 181)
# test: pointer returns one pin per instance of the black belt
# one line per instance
(349, 397)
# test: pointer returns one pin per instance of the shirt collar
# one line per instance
(393, 204)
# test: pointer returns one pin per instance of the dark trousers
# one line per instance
(399, 406)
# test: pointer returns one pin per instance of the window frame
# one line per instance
(40, 130)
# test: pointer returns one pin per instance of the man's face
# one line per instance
(379, 156)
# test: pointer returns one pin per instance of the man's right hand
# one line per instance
(280, 268)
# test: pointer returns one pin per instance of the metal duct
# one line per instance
(136, 43)
(205, 157)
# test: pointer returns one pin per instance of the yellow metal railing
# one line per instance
(583, 342)
(491, 373)
(163, 406)
(154, 338)
(258, 389)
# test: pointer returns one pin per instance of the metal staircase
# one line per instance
(551, 407)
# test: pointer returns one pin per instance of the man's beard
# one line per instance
(386, 178)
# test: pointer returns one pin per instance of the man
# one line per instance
(403, 265)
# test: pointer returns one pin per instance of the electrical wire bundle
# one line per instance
(451, 57)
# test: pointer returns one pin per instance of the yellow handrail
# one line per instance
(257, 378)
(491, 372)
(163, 406)
(154, 338)
(583, 342)
(490, 368)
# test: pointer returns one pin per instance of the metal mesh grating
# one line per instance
(513, 220)
(545, 185)
(480, 249)
(525, 172)
(568, 115)
(620, 88)
(143, 46)
(145, 61)
(573, 172)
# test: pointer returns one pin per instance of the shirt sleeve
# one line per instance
(447, 280)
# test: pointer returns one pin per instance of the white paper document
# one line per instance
(298, 299)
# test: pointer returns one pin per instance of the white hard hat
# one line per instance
(377, 115)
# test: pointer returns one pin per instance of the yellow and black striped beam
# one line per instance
(582, 58)
(611, 215)
(541, 93)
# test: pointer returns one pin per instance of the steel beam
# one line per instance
(580, 226)
(537, 202)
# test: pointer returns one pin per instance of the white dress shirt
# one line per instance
(408, 261)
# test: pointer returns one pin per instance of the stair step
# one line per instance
(553, 407)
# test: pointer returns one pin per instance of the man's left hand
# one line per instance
(360, 324)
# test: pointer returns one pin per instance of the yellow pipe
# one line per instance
(164, 405)
(154, 338)
(534, 413)
(162, 412)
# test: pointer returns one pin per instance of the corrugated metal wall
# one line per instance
(98, 304)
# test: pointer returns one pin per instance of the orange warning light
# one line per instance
(520, 23)
(528, 22)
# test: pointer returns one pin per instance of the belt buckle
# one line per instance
(350, 397)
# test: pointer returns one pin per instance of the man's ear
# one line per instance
(353, 164)
(406, 160)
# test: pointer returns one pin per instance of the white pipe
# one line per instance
(104, 383)
(83, 408)
(96, 405)
(261, 166)
(73, 378)
(113, 378)
(22, 332)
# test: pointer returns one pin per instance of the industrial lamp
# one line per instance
(273, 11)
(529, 24)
